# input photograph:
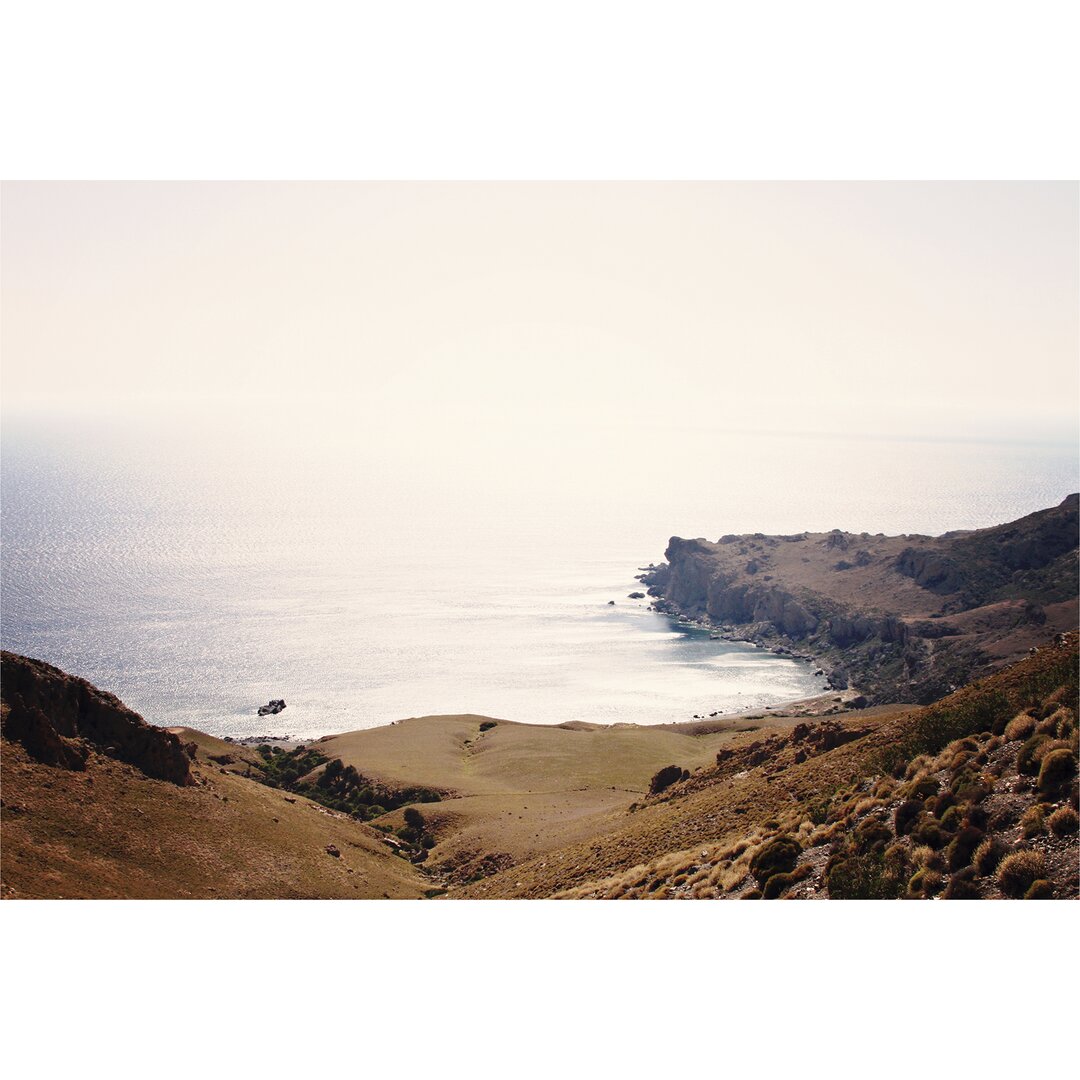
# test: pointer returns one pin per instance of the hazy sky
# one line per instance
(903, 308)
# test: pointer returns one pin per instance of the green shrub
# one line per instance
(778, 856)
(959, 853)
(1026, 764)
(777, 885)
(413, 818)
(1018, 871)
(987, 856)
(427, 841)
(931, 730)
(1040, 890)
(962, 886)
(960, 760)
(913, 767)
(951, 819)
(925, 882)
(969, 787)
(863, 877)
(896, 859)
(1031, 824)
(1058, 768)
(1063, 821)
(487, 725)
(927, 858)
(872, 835)
(923, 789)
(907, 813)
(931, 834)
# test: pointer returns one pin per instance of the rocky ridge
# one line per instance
(59, 718)
(904, 618)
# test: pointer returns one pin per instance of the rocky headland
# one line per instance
(900, 618)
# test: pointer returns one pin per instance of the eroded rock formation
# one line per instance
(58, 718)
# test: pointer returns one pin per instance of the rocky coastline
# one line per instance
(898, 619)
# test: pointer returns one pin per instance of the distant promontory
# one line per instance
(901, 618)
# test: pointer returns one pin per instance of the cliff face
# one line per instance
(906, 618)
(57, 717)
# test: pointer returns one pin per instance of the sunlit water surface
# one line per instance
(199, 573)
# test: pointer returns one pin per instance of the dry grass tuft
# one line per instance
(734, 877)
(918, 767)
(1040, 890)
(1057, 768)
(924, 883)
(987, 856)
(884, 788)
(1064, 821)
(1031, 824)
(1018, 871)
(1020, 728)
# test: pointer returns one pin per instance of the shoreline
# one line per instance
(828, 702)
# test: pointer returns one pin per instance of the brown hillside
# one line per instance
(969, 773)
(106, 830)
(513, 791)
(902, 618)
(969, 797)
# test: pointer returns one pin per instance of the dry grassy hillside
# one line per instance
(513, 791)
(975, 797)
(105, 829)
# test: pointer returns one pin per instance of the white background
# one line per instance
(555, 90)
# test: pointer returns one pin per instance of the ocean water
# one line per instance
(198, 570)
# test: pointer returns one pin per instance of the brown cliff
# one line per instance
(906, 618)
(58, 718)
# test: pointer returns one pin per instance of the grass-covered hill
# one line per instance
(82, 817)
(974, 797)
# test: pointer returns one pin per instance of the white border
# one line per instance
(584, 90)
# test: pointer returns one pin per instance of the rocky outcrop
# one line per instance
(692, 585)
(670, 774)
(906, 618)
(931, 570)
(59, 718)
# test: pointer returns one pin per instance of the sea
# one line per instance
(199, 569)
